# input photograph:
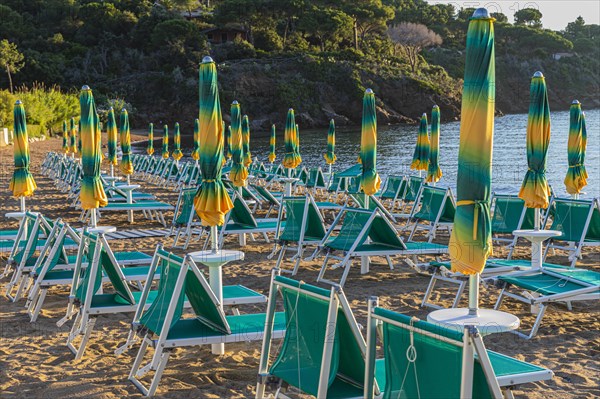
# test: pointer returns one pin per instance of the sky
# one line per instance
(556, 14)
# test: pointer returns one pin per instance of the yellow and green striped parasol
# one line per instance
(111, 132)
(246, 141)
(92, 193)
(228, 142)
(291, 158)
(535, 190)
(238, 173)
(196, 150)
(471, 239)
(298, 142)
(434, 173)
(126, 166)
(212, 201)
(576, 178)
(65, 137)
(79, 143)
(165, 142)
(22, 183)
(370, 181)
(272, 143)
(150, 148)
(177, 154)
(421, 155)
(73, 136)
(330, 156)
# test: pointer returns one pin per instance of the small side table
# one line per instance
(488, 321)
(288, 182)
(215, 261)
(537, 237)
(101, 230)
(128, 189)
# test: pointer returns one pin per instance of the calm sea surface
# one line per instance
(396, 144)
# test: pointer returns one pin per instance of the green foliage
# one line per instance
(268, 40)
(529, 16)
(45, 107)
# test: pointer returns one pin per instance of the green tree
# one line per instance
(529, 16)
(326, 25)
(369, 16)
(11, 58)
(500, 17)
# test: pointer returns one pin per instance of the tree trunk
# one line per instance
(10, 84)
(285, 31)
(355, 28)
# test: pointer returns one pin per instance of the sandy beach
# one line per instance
(34, 361)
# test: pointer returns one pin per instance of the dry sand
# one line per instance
(34, 361)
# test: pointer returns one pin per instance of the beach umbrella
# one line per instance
(212, 201)
(92, 193)
(79, 144)
(126, 165)
(177, 154)
(165, 142)
(272, 142)
(370, 181)
(196, 150)
(111, 132)
(227, 142)
(291, 159)
(65, 137)
(329, 156)
(421, 155)
(22, 184)
(535, 190)
(238, 173)
(434, 173)
(298, 142)
(246, 141)
(73, 136)
(471, 239)
(150, 148)
(576, 178)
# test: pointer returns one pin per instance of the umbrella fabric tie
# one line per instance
(208, 180)
(575, 166)
(478, 206)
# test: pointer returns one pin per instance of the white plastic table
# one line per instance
(112, 179)
(288, 181)
(488, 321)
(215, 261)
(537, 237)
(102, 230)
(17, 215)
(128, 189)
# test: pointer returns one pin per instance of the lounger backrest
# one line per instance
(186, 206)
(383, 233)
(507, 214)
(413, 186)
(266, 194)
(354, 185)
(393, 186)
(204, 302)
(593, 233)
(116, 277)
(436, 373)
(352, 225)
(299, 360)
(86, 279)
(296, 208)
(570, 218)
(353, 171)
(153, 319)
(430, 201)
(53, 242)
(241, 214)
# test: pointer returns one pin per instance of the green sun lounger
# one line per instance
(538, 288)
(163, 326)
(323, 352)
(366, 233)
(433, 210)
(509, 213)
(185, 220)
(429, 361)
(299, 223)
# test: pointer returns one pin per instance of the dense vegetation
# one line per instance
(315, 55)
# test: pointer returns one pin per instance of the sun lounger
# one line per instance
(424, 360)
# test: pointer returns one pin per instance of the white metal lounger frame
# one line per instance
(539, 303)
(302, 243)
(163, 346)
(345, 261)
(472, 344)
(434, 225)
(337, 299)
(575, 247)
(188, 230)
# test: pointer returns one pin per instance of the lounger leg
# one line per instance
(38, 304)
(428, 292)
(389, 261)
(508, 393)
(159, 371)
(298, 259)
(242, 240)
(538, 321)
(499, 300)
(459, 293)
(347, 271)
(323, 267)
(89, 327)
